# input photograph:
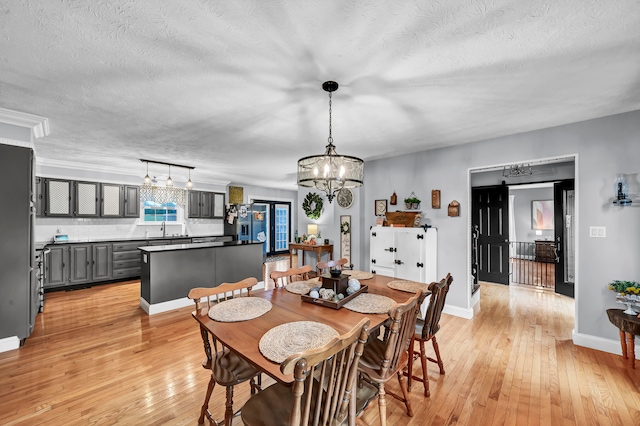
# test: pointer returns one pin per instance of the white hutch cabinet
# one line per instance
(406, 253)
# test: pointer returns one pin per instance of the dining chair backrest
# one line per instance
(403, 318)
(222, 292)
(439, 292)
(324, 267)
(282, 278)
(324, 378)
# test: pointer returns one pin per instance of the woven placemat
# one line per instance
(408, 286)
(368, 303)
(359, 275)
(239, 309)
(302, 287)
(291, 338)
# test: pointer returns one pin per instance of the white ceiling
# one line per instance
(234, 87)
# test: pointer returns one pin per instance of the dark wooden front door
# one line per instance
(564, 236)
(490, 220)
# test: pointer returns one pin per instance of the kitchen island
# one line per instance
(168, 272)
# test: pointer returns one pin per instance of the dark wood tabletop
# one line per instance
(243, 337)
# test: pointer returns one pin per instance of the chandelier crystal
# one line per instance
(330, 172)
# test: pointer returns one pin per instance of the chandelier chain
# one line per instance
(330, 137)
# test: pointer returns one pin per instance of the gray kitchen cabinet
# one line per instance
(102, 261)
(112, 201)
(57, 264)
(80, 263)
(126, 259)
(218, 205)
(201, 205)
(194, 204)
(131, 201)
(87, 199)
(39, 196)
(59, 197)
(18, 284)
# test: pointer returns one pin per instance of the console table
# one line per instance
(318, 248)
(545, 251)
(629, 326)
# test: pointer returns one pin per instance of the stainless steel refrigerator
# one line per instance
(20, 298)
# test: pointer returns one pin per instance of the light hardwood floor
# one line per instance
(96, 358)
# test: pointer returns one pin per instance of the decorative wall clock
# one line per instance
(345, 198)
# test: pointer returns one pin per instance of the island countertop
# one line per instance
(170, 247)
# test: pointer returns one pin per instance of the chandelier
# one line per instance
(330, 172)
(151, 191)
(517, 170)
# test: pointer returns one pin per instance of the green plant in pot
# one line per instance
(412, 202)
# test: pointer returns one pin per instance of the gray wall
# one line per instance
(522, 212)
(604, 148)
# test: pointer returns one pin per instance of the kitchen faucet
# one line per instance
(163, 228)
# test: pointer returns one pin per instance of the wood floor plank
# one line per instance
(96, 358)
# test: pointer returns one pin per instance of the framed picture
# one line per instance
(542, 214)
(381, 207)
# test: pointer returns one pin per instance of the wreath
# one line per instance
(312, 205)
(345, 228)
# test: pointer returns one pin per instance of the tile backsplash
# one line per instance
(97, 228)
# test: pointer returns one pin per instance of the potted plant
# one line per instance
(412, 202)
(628, 293)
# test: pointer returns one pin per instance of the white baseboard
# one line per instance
(157, 308)
(9, 343)
(600, 344)
(458, 311)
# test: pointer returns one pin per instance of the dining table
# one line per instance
(243, 337)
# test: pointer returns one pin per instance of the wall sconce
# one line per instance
(621, 192)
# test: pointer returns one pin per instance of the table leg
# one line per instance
(623, 344)
(631, 348)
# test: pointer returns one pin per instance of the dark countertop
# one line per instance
(155, 249)
(132, 239)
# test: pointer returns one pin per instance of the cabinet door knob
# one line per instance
(373, 261)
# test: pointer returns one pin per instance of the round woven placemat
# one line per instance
(239, 309)
(291, 338)
(408, 286)
(359, 275)
(302, 287)
(368, 303)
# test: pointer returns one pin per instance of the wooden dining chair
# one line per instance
(426, 330)
(322, 390)
(227, 368)
(324, 267)
(282, 278)
(384, 358)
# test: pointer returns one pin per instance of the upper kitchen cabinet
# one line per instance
(87, 197)
(131, 201)
(112, 204)
(218, 205)
(59, 197)
(205, 205)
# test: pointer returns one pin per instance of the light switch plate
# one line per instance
(597, 232)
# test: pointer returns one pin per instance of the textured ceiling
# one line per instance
(234, 87)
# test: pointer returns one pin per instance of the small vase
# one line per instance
(415, 206)
(407, 206)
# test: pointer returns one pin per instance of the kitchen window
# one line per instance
(156, 212)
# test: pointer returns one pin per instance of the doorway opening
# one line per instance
(523, 229)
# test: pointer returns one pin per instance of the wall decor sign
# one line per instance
(542, 214)
(345, 238)
(454, 209)
(381, 207)
(236, 195)
(435, 199)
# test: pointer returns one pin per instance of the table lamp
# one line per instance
(312, 230)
